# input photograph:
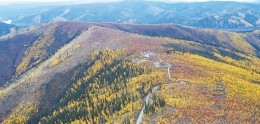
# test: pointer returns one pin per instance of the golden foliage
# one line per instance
(192, 96)
(239, 42)
(35, 54)
(110, 90)
(21, 114)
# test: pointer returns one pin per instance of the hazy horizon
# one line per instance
(106, 1)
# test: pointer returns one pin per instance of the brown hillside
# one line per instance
(43, 61)
(41, 81)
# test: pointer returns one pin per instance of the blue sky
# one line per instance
(93, 1)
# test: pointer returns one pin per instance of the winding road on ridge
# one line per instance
(140, 116)
(169, 74)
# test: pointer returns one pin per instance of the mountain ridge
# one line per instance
(76, 56)
(214, 15)
(132, 61)
(6, 28)
(34, 50)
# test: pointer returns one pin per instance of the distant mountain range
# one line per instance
(6, 28)
(216, 15)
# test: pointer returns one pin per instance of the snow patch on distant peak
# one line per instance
(80, 17)
(258, 22)
(155, 10)
(247, 24)
(58, 18)
(127, 12)
(233, 20)
(37, 19)
(9, 21)
(239, 21)
(218, 17)
(241, 15)
(249, 12)
(66, 11)
(131, 20)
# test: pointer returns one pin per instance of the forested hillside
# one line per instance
(107, 88)
(116, 73)
(28, 47)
